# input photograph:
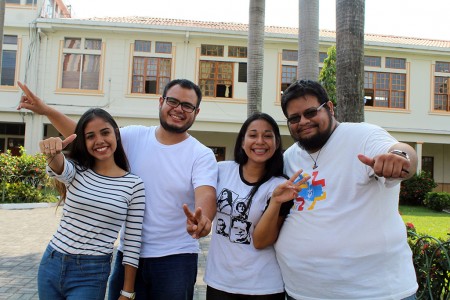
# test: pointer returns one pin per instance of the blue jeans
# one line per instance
(169, 277)
(64, 276)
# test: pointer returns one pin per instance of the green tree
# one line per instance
(350, 59)
(327, 76)
(255, 65)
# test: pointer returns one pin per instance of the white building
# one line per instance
(122, 65)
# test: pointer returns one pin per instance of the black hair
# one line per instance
(79, 153)
(301, 88)
(186, 84)
(274, 166)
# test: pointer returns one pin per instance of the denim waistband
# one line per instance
(52, 252)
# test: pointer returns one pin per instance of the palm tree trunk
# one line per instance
(350, 60)
(2, 24)
(255, 66)
(308, 40)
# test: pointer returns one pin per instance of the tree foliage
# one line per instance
(327, 75)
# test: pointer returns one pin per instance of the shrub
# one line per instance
(413, 190)
(23, 179)
(437, 201)
(432, 264)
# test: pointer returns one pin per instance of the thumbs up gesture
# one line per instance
(52, 148)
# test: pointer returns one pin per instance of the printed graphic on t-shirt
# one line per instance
(311, 192)
(232, 217)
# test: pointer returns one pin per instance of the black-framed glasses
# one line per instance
(185, 106)
(309, 114)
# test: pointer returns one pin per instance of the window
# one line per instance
(81, 63)
(242, 72)
(384, 89)
(234, 51)
(288, 76)
(372, 61)
(212, 50)
(142, 46)
(151, 72)
(441, 93)
(395, 63)
(322, 56)
(289, 55)
(443, 67)
(13, 1)
(163, 47)
(9, 58)
(428, 165)
(216, 79)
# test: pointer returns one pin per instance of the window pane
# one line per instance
(235, 51)
(10, 39)
(290, 55)
(372, 61)
(163, 47)
(31, 2)
(91, 72)
(150, 74)
(212, 50)
(395, 63)
(382, 98)
(13, 1)
(443, 67)
(8, 68)
(142, 46)
(242, 73)
(72, 43)
(93, 44)
(322, 56)
(71, 71)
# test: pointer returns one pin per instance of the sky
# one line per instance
(410, 18)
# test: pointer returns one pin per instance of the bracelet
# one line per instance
(400, 153)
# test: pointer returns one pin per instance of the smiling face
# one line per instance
(259, 142)
(100, 139)
(175, 119)
(311, 134)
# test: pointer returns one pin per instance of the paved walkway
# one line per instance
(24, 236)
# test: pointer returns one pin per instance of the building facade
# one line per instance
(122, 65)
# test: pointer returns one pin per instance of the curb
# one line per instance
(26, 205)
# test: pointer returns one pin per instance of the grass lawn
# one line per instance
(427, 221)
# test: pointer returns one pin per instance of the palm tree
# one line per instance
(308, 40)
(2, 24)
(255, 66)
(350, 60)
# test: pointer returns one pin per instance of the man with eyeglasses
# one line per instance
(180, 177)
(344, 237)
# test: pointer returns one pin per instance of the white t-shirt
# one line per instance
(170, 174)
(344, 237)
(233, 264)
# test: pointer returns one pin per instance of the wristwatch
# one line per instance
(400, 153)
(129, 295)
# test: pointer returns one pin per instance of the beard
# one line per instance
(316, 141)
(174, 129)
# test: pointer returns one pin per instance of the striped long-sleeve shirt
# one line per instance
(95, 209)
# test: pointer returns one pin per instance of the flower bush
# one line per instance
(431, 258)
(23, 179)
(414, 190)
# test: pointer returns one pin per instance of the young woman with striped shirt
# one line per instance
(100, 196)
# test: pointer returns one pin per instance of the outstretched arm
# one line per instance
(29, 100)
(268, 227)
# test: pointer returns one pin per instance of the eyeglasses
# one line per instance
(185, 106)
(309, 114)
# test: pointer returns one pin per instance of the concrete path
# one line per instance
(24, 236)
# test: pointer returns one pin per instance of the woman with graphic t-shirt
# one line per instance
(235, 268)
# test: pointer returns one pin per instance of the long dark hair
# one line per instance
(274, 166)
(79, 153)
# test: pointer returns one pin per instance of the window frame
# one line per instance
(12, 47)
